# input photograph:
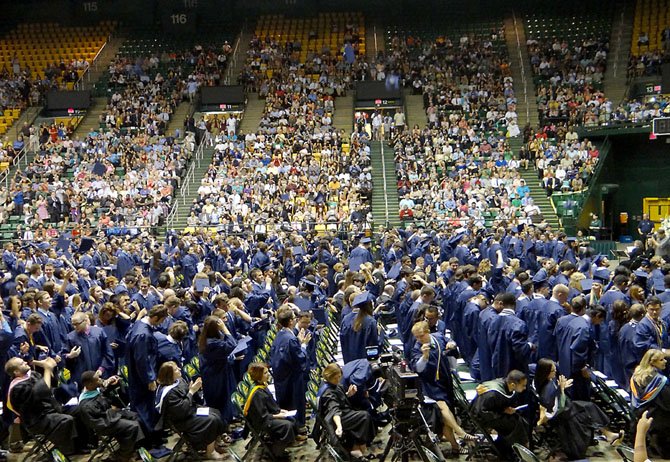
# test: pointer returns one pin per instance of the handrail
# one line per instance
(524, 82)
(87, 73)
(233, 58)
(386, 197)
(185, 188)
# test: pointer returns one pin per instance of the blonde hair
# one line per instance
(645, 371)
(330, 371)
(420, 327)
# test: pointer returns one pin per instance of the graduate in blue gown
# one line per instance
(548, 314)
(651, 332)
(87, 349)
(619, 319)
(141, 359)
(290, 365)
(429, 359)
(508, 339)
(576, 346)
(170, 344)
(361, 254)
(216, 346)
(629, 354)
(481, 366)
(470, 326)
(359, 329)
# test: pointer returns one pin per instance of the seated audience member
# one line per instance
(265, 415)
(496, 407)
(30, 397)
(174, 402)
(650, 394)
(100, 414)
(575, 420)
(355, 428)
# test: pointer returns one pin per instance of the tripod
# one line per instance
(406, 435)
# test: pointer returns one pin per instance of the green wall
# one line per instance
(641, 168)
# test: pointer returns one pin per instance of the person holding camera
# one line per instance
(355, 428)
(429, 360)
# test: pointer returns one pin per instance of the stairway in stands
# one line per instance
(252, 113)
(415, 113)
(91, 120)
(189, 189)
(524, 87)
(537, 192)
(184, 110)
(384, 187)
(343, 118)
(617, 61)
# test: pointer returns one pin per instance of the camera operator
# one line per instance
(429, 360)
(497, 406)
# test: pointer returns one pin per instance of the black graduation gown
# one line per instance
(357, 425)
(575, 422)
(261, 409)
(179, 410)
(97, 414)
(40, 412)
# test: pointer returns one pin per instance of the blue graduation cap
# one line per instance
(363, 298)
(63, 244)
(601, 274)
(454, 240)
(86, 244)
(298, 251)
(303, 303)
(641, 274)
(365, 240)
(540, 276)
(200, 284)
(599, 259)
(120, 289)
(587, 285)
(394, 272)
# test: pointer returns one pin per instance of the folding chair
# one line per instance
(257, 437)
(41, 447)
(626, 453)
(324, 441)
(525, 454)
(183, 448)
(470, 421)
(106, 444)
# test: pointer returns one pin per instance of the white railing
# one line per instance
(524, 81)
(233, 59)
(386, 197)
(93, 64)
(185, 188)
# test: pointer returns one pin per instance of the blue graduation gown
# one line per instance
(124, 263)
(95, 353)
(168, 351)
(358, 256)
(470, 328)
(575, 349)
(648, 336)
(436, 382)
(354, 343)
(116, 333)
(218, 379)
(145, 301)
(530, 315)
(548, 314)
(508, 341)
(141, 359)
(629, 353)
(486, 317)
(260, 260)
(615, 359)
(290, 368)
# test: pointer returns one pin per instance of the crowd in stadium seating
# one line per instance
(569, 76)
(296, 170)
(564, 163)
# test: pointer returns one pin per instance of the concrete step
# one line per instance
(91, 120)
(184, 110)
(343, 117)
(524, 89)
(416, 115)
(252, 113)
